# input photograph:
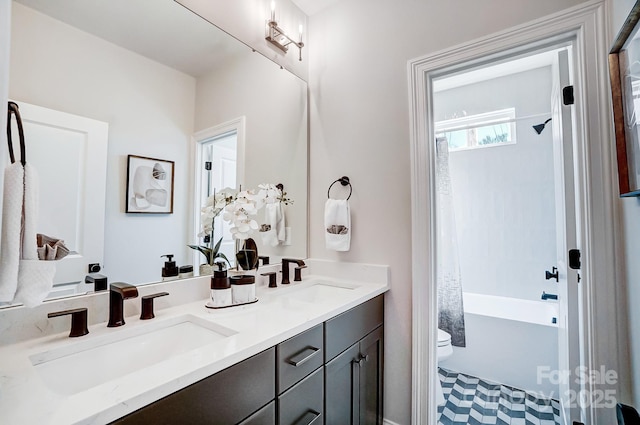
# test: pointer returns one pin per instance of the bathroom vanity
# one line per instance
(285, 384)
(308, 352)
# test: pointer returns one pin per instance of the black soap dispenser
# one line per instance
(170, 271)
(220, 288)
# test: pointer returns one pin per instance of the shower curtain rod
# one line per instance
(497, 121)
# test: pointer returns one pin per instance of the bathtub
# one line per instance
(507, 340)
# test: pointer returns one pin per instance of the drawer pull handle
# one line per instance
(303, 356)
(309, 418)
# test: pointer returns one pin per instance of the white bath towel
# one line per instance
(337, 224)
(11, 230)
(274, 221)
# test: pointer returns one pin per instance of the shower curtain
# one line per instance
(450, 306)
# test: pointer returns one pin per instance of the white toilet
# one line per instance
(445, 350)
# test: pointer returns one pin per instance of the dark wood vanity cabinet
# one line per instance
(228, 397)
(353, 378)
(330, 374)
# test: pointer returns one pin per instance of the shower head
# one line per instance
(539, 127)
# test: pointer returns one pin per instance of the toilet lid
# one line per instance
(443, 338)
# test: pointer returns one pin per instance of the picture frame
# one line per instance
(150, 185)
(624, 72)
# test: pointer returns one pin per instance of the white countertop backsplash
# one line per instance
(24, 398)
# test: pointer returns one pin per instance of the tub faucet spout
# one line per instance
(546, 296)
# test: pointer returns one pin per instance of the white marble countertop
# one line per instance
(25, 399)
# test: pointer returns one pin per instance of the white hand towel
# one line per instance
(337, 224)
(275, 222)
(29, 232)
(280, 223)
(35, 278)
(11, 229)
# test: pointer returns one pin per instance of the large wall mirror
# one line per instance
(163, 80)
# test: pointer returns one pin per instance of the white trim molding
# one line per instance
(585, 26)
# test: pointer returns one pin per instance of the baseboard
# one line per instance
(388, 422)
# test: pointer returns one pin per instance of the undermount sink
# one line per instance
(321, 291)
(91, 362)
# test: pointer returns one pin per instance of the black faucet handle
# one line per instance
(272, 278)
(78, 320)
(264, 258)
(297, 275)
(147, 305)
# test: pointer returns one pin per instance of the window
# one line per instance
(482, 130)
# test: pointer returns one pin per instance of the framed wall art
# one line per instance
(149, 185)
(624, 71)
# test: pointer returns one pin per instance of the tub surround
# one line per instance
(259, 326)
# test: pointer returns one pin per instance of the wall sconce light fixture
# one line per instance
(278, 37)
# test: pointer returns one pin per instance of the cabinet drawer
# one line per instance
(264, 416)
(299, 356)
(225, 398)
(303, 403)
(349, 327)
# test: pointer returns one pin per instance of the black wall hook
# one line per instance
(344, 181)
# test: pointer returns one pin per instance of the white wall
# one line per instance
(274, 103)
(360, 128)
(149, 108)
(5, 41)
(630, 238)
(504, 195)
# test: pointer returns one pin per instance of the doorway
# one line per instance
(219, 165)
(504, 210)
(583, 27)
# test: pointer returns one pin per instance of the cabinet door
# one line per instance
(371, 371)
(341, 388)
(351, 326)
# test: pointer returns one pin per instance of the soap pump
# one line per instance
(220, 288)
(170, 271)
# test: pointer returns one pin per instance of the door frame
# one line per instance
(239, 126)
(595, 188)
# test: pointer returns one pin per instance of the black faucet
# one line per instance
(118, 292)
(546, 296)
(285, 269)
(99, 281)
(78, 320)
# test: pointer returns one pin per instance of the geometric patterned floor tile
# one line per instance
(474, 401)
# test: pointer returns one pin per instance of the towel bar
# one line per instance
(344, 180)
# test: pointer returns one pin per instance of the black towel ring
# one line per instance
(344, 180)
(13, 109)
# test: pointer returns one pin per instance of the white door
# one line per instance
(69, 153)
(567, 238)
(217, 155)
(223, 155)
